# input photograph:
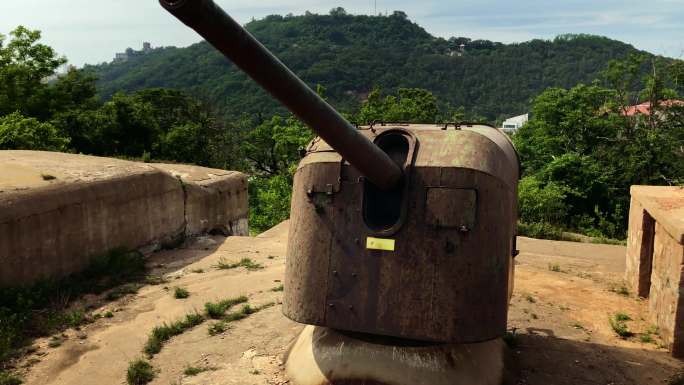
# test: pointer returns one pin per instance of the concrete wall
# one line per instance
(655, 258)
(666, 299)
(57, 211)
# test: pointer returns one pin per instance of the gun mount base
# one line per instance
(322, 356)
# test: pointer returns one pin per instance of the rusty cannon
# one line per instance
(402, 236)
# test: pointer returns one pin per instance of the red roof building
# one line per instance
(645, 108)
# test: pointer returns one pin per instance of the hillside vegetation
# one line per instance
(350, 55)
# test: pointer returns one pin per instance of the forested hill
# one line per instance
(349, 55)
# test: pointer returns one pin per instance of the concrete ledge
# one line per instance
(665, 204)
(58, 210)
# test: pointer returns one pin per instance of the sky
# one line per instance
(91, 31)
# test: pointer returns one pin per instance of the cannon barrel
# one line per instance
(238, 45)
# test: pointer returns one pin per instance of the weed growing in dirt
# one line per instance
(161, 334)
(554, 267)
(255, 372)
(244, 262)
(530, 298)
(140, 372)
(156, 280)
(278, 288)
(617, 322)
(195, 370)
(56, 341)
(7, 378)
(116, 293)
(245, 312)
(109, 314)
(621, 289)
(217, 328)
(622, 317)
(180, 293)
(646, 338)
(198, 271)
(511, 339)
(43, 308)
(216, 310)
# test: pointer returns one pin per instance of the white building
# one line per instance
(511, 125)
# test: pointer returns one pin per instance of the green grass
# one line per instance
(56, 341)
(155, 280)
(554, 267)
(140, 372)
(530, 298)
(217, 328)
(646, 338)
(180, 293)
(244, 262)
(617, 323)
(195, 370)
(44, 308)
(109, 314)
(216, 310)
(121, 291)
(163, 333)
(245, 312)
(278, 288)
(7, 378)
(621, 289)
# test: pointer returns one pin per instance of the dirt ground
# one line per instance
(565, 293)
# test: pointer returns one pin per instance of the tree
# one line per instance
(413, 105)
(18, 132)
(24, 65)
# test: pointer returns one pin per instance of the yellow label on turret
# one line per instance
(380, 244)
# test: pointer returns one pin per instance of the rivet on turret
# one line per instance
(332, 305)
(353, 274)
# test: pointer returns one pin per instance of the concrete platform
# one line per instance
(322, 356)
(59, 210)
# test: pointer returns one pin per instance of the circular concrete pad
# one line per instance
(323, 356)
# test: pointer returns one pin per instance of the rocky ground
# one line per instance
(559, 321)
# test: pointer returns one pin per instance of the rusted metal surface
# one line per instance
(440, 208)
(449, 277)
(229, 37)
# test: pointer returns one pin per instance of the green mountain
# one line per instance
(349, 55)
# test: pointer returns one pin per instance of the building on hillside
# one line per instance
(645, 108)
(511, 125)
(130, 52)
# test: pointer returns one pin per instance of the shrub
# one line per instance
(18, 132)
(140, 372)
